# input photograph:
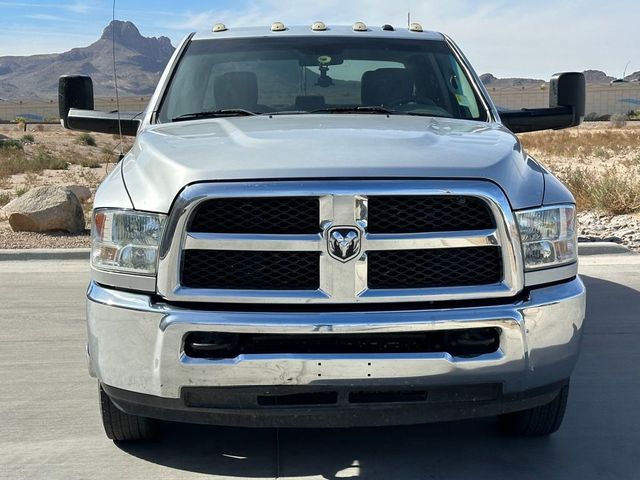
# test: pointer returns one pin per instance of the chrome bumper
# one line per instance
(137, 345)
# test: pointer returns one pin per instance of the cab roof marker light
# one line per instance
(359, 27)
(278, 27)
(388, 28)
(416, 27)
(219, 27)
(318, 27)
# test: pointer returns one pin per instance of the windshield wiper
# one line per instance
(374, 109)
(419, 114)
(231, 112)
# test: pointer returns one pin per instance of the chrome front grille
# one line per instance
(244, 243)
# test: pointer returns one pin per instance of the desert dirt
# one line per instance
(85, 165)
(593, 150)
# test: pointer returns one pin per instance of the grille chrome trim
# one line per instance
(246, 242)
(342, 203)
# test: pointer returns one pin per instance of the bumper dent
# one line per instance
(136, 345)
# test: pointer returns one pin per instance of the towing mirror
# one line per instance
(566, 107)
(76, 106)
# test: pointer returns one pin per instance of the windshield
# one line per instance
(334, 75)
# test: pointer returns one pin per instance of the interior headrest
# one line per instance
(382, 86)
(236, 90)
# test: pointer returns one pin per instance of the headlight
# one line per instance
(126, 241)
(548, 236)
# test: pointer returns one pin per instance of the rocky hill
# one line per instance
(593, 77)
(140, 61)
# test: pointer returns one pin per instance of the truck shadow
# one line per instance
(595, 441)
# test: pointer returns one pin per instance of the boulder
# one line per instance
(83, 193)
(46, 209)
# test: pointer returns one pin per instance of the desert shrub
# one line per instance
(27, 138)
(4, 198)
(616, 193)
(21, 191)
(618, 120)
(10, 144)
(44, 160)
(89, 162)
(16, 161)
(578, 181)
(612, 191)
(86, 139)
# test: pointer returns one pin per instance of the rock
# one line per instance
(46, 209)
(628, 232)
(83, 193)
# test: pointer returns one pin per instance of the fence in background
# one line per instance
(601, 100)
(48, 110)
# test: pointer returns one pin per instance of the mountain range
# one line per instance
(140, 62)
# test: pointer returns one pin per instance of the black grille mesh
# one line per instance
(415, 214)
(450, 267)
(286, 215)
(219, 269)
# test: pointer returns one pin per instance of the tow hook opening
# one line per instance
(469, 342)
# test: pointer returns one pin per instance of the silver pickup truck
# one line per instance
(330, 226)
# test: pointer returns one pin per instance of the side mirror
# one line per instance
(566, 107)
(76, 106)
(74, 91)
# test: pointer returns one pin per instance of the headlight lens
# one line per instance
(125, 241)
(548, 236)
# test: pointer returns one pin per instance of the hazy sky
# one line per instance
(505, 37)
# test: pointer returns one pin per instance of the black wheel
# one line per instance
(122, 427)
(538, 421)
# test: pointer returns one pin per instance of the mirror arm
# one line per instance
(103, 122)
(533, 119)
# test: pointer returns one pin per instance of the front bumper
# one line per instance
(136, 347)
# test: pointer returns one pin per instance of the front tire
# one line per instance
(122, 427)
(538, 421)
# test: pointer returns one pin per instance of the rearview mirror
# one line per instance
(566, 107)
(76, 107)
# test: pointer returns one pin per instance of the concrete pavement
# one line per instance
(50, 426)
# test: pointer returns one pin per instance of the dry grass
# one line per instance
(4, 199)
(583, 143)
(609, 191)
(49, 155)
(15, 161)
(86, 139)
(601, 166)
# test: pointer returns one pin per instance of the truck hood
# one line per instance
(167, 157)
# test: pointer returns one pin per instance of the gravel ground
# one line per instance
(622, 229)
(14, 240)
(11, 240)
